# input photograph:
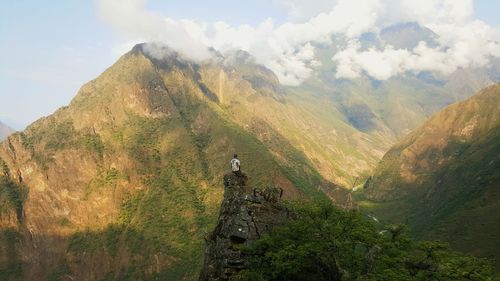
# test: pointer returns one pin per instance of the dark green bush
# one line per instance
(12, 196)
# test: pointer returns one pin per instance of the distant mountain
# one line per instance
(396, 106)
(5, 131)
(444, 177)
(408, 36)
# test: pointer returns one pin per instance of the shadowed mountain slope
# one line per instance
(444, 177)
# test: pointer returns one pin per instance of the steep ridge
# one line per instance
(5, 131)
(123, 183)
(444, 178)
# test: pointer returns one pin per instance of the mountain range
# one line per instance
(367, 116)
(443, 178)
(125, 181)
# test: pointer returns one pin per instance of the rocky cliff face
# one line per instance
(245, 215)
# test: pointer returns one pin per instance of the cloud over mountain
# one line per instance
(289, 48)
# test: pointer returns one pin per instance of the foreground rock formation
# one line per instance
(245, 215)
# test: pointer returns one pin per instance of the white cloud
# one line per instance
(464, 46)
(288, 49)
(294, 67)
(131, 19)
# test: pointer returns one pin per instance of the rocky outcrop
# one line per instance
(245, 215)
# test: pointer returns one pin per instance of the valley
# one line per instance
(443, 178)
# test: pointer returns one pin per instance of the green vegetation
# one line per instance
(65, 222)
(12, 270)
(140, 247)
(12, 194)
(55, 136)
(12, 198)
(59, 135)
(106, 179)
(293, 163)
(93, 143)
(166, 220)
(452, 191)
(59, 271)
(326, 243)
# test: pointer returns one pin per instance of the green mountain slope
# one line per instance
(310, 121)
(444, 178)
(125, 182)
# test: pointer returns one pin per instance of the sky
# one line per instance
(49, 49)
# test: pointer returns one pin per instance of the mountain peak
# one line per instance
(408, 35)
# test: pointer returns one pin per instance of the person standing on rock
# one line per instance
(235, 165)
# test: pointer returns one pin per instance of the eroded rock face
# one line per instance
(245, 215)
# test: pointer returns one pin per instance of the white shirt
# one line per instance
(235, 164)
